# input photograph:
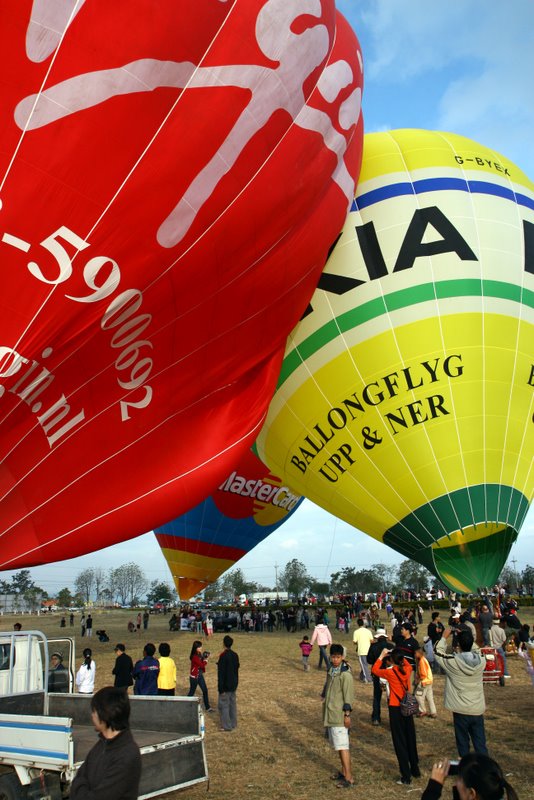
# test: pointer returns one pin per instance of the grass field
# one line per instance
(279, 751)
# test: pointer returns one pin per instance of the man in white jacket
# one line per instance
(464, 692)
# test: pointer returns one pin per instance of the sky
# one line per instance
(463, 66)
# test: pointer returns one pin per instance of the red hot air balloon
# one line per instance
(249, 505)
(172, 177)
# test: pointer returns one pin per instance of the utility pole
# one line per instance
(514, 562)
(276, 578)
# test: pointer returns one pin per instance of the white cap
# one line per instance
(380, 632)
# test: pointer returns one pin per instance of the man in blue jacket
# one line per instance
(146, 672)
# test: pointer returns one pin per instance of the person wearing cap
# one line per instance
(58, 676)
(380, 642)
(112, 768)
(123, 669)
(498, 641)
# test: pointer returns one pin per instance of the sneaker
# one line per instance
(416, 773)
(507, 676)
(404, 782)
(376, 722)
(210, 710)
(345, 784)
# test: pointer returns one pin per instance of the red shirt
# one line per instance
(399, 684)
(197, 665)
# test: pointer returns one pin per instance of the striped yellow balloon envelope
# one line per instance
(405, 403)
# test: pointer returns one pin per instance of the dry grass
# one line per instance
(279, 749)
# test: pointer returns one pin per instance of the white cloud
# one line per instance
(288, 544)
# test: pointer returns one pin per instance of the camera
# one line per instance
(205, 654)
(453, 767)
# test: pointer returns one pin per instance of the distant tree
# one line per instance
(527, 576)
(411, 575)
(213, 591)
(100, 577)
(64, 598)
(349, 580)
(234, 583)
(319, 588)
(5, 587)
(386, 574)
(84, 583)
(21, 581)
(32, 598)
(130, 582)
(294, 577)
(159, 592)
(508, 577)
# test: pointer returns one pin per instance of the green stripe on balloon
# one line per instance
(450, 512)
(404, 298)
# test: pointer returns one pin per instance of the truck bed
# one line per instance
(168, 731)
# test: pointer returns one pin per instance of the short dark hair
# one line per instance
(336, 649)
(112, 707)
(164, 649)
(228, 641)
(435, 615)
(465, 641)
(120, 647)
(150, 649)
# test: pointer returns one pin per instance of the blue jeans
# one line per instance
(469, 727)
(323, 655)
(201, 683)
(505, 663)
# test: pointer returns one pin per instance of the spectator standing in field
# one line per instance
(363, 639)
(146, 671)
(167, 671)
(485, 618)
(464, 693)
(227, 682)
(85, 677)
(196, 673)
(89, 625)
(407, 643)
(112, 769)
(305, 648)
(82, 624)
(394, 667)
(381, 642)
(498, 641)
(338, 696)
(425, 680)
(146, 617)
(321, 634)
(138, 621)
(123, 669)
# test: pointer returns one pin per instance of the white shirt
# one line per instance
(85, 679)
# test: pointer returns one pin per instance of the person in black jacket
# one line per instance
(375, 650)
(227, 681)
(112, 769)
(123, 668)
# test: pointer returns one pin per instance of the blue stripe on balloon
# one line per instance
(439, 185)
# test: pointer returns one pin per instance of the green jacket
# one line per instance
(338, 695)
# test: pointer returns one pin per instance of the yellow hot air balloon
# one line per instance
(405, 403)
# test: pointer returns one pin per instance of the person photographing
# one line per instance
(479, 777)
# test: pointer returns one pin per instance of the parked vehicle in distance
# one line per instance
(225, 622)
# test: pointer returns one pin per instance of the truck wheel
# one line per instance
(11, 788)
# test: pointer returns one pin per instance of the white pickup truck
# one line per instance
(44, 736)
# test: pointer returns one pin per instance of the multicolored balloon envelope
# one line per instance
(405, 403)
(173, 174)
(250, 504)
